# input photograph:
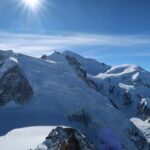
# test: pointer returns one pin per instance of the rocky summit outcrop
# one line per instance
(66, 139)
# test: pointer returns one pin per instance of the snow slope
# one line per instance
(125, 85)
(61, 97)
(24, 138)
(92, 66)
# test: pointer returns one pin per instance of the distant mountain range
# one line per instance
(110, 105)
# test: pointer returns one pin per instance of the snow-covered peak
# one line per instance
(92, 66)
(125, 85)
(57, 57)
(122, 69)
(126, 73)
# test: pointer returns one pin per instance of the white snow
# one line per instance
(145, 102)
(122, 69)
(121, 79)
(24, 138)
(92, 66)
(135, 76)
(127, 87)
(143, 126)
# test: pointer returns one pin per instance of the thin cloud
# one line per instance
(34, 43)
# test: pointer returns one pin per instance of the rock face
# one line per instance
(140, 134)
(138, 139)
(144, 107)
(66, 139)
(81, 72)
(14, 86)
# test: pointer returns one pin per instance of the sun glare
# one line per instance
(33, 4)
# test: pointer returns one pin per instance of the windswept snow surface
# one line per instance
(92, 66)
(109, 140)
(24, 138)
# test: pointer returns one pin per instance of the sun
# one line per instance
(32, 4)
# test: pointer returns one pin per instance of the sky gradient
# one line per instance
(111, 31)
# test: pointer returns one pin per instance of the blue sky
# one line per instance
(112, 31)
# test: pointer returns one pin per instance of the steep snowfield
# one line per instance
(60, 97)
(92, 66)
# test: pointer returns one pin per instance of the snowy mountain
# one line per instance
(127, 85)
(92, 66)
(66, 89)
(127, 88)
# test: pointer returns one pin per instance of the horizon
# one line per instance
(110, 31)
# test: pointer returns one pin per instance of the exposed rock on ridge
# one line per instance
(66, 139)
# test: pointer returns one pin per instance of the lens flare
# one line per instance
(33, 4)
(32, 13)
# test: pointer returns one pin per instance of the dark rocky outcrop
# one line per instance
(127, 98)
(44, 57)
(137, 137)
(67, 139)
(144, 107)
(81, 72)
(14, 87)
